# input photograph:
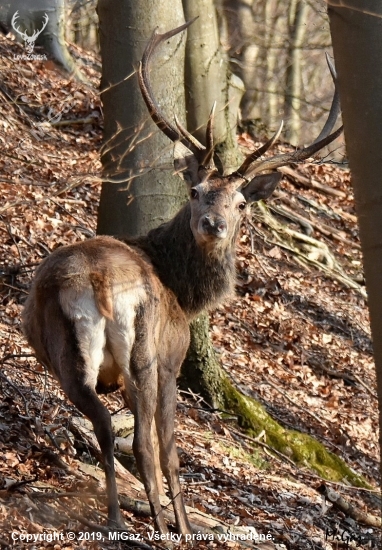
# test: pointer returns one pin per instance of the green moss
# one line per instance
(299, 447)
(256, 458)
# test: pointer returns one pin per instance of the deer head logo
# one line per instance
(28, 40)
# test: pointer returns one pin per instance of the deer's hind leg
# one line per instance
(75, 349)
(87, 401)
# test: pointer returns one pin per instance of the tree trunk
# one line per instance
(201, 372)
(83, 27)
(271, 19)
(208, 79)
(244, 50)
(297, 24)
(356, 32)
(139, 191)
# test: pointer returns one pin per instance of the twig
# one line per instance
(15, 356)
(17, 484)
(53, 495)
(262, 444)
(105, 530)
(18, 391)
(369, 390)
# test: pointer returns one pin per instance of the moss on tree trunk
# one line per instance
(201, 371)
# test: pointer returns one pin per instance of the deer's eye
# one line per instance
(194, 194)
(242, 205)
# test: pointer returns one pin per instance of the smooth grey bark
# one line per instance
(83, 24)
(241, 40)
(30, 18)
(140, 191)
(297, 25)
(208, 79)
(356, 32)
(271, 19)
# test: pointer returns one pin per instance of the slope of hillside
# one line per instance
(295, 336)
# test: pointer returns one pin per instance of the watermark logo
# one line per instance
(29, 40)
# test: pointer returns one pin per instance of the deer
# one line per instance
(107, 313)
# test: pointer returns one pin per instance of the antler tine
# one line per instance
(185, 133)
(335, 107)
(44, 24)
(172, 132)
(323, 139)
(259, 152)
(290, 158)
(208, 161)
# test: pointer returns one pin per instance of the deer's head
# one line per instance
(217, 201)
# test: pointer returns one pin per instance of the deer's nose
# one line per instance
(214, 225)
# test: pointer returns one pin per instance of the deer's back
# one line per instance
(98, 296)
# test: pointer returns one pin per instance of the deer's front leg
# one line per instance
(141, 384)
(165, 415)
(143, 403)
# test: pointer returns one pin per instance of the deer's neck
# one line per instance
(200, 279)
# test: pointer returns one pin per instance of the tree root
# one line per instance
(298, 447)
(310, 252)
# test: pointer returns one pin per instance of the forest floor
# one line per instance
(295, 336)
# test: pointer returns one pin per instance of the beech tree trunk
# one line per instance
(297, 25)
(208, 79)
(201, 371)
(356, 31)
(140, 191)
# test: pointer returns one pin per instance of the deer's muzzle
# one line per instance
(215, 226)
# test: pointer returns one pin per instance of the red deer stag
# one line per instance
(105, 309)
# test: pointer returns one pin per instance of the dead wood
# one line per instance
(298, 178)
(342, 504)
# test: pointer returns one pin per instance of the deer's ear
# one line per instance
(261, 187)
(186, 164)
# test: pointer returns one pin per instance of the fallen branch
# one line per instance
(131, 490)
(358, 515)
(283, 211)
(308, 225)
(71, 122)
(310, 183)
(97, 528)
